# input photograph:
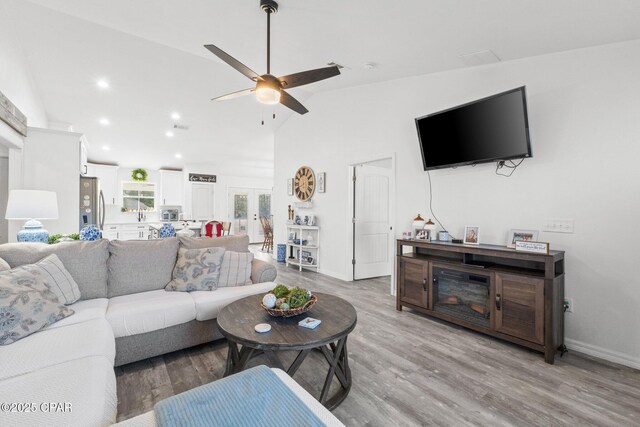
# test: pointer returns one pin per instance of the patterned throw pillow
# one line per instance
(196, 270)
(27, 305)
(236, 269)
(55, 276)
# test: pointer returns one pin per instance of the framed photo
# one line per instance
(303, 254)
(516, 235)
(422, 234)
(322, 176)
(471, 235)
(290, 187)
(292, 236)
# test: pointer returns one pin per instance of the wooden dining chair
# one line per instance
(226, 228)
(268, 234)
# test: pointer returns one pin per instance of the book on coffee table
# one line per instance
(309, 322)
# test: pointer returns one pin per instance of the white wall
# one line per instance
(4, 196)
(222, 186)
(583, 108)
(15, 80)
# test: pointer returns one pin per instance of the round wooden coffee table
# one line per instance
(237, 320)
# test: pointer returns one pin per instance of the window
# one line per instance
(138, 196)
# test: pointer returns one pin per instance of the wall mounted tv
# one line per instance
(490, 129)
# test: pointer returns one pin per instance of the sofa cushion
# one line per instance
(4, 265)
(53, 346)
(262, 271)
(149, 311)
(236, 269)
(87, 384)
(196, 270)
(140, 265)
(84, 311)
(26, 305)
(55, 276)
(86, 261)
(239, 243)
(208, 304)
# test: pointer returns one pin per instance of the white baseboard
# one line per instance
(333, 274)
(601, 353)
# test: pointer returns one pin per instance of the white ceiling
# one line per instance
(151, 53)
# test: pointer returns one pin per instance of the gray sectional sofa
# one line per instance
(124, 315)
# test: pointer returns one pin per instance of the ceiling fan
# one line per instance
(270, 89)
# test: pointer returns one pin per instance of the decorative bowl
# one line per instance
(277, 312)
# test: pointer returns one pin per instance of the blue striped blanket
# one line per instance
(255, 397)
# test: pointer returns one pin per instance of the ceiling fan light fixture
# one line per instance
(267, 93)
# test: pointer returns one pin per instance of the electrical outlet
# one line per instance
(568, 305)
(558, 225)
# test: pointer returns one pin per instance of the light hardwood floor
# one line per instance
(410, 370)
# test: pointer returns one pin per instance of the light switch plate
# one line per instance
(552, 225)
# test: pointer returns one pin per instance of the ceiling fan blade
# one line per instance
(306, 77)
(233, 62)
(232, 95)
(290, 102)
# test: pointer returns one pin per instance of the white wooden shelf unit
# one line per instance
(303, 232)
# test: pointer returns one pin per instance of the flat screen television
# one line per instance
(489, 129)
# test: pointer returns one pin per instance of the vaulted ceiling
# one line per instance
(151, 52)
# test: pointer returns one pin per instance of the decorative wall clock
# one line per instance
(304, 183)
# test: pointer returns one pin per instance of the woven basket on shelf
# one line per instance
(276, 312)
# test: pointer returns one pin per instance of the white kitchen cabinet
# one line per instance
(171, 188)
(108, 176)
(126, 232)
(84, 165)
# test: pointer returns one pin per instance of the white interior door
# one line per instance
(202, 202)
(372, 222)
(246, 206)
(4, 196)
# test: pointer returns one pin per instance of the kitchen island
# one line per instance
(145, 230)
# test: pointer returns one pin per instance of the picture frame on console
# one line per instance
(471, 235)
(518, 235)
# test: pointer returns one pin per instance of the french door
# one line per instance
(246, 207)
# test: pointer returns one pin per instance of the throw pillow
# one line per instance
(236, 269)
(55, 276)
(197, 270)
(27, 305)
(4, 265)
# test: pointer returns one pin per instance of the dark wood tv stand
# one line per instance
(515, 296)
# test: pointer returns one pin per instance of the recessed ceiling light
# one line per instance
(169, 133)
(105, 122)
(175, 116)
(106, 148)
(103, 84)
(178, 156)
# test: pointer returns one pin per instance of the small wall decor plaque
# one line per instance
(198, 177)
(290, 187)
(535, 247)
(322, 178)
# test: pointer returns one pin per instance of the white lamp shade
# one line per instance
(32, 204)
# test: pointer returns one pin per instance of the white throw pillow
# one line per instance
(55, 276)
(27, 305)
(4, 265)
(236, 269)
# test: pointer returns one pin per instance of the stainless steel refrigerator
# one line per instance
(91, 202)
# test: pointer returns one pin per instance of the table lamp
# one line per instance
(32, 205)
